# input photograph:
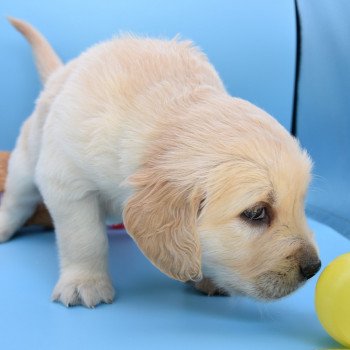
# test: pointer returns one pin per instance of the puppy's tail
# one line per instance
(46, 58)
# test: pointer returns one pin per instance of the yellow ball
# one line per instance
(332, 299)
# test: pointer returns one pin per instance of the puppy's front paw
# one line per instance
(89, 291)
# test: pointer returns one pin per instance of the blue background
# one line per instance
(324, 107)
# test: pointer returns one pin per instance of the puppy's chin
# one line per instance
(274, 285)
(268, 286)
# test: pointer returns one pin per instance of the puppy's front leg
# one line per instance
(83, 247)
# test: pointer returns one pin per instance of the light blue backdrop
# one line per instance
(324, 107)
(251, 43)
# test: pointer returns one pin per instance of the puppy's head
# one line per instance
(254, 235)
(226, 201)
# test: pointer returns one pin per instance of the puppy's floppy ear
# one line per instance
(161, 217)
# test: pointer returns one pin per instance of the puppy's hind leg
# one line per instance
(21, 194)
(81, 234)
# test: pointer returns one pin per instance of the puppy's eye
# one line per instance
(255, 214)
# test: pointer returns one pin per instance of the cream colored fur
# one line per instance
(144, 129)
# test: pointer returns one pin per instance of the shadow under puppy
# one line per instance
(210, 187)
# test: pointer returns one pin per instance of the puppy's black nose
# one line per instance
(310, 269)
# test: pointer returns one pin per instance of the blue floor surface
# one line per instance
(151, 310)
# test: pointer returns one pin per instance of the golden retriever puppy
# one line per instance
(210, 187)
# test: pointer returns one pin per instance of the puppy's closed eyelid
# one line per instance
(264, 221)
(269, 215)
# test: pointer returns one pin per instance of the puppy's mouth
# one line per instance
(274, 285)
